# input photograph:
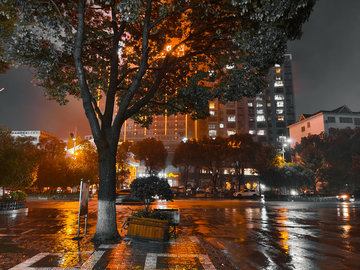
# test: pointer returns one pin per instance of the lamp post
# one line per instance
(285, 144)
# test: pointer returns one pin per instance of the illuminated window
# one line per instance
(250, 104)
(268, 104)
(281, 118)
(231, 132)
(259, 98)
(212, 112)
(279, 111)
(260, 111)
(221, 125)
(212, 132)
(231, 118)
(251, 131)
(280, 103)
(260, 118)
(278, 78)
(279, 84)
(278, 70)
(230, 66)
(211, 73)
(279, 97)
(261, 132)
(259, 105)
(212, 105)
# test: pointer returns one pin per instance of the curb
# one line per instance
(16, 211)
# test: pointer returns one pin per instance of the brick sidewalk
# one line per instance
(181, 252)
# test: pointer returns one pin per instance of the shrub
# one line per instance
(146, 188)
(15, 196)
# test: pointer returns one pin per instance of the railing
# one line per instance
(12, 205)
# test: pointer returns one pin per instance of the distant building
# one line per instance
(35, 134)
(265, 116)
(322, 121)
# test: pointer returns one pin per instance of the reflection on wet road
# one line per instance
(278, 235)
(251, 234)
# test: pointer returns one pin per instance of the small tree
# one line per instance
(52, 170)
(148, 187)
(186, 154)
(242, 153)
(267, 164)
(152, 152)
(296, 176)
(19, 160)
(213, 156)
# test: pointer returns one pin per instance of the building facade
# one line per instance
(322, 121)
(266, 116)
(35, 134)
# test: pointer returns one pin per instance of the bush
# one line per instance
(15, 196)
(146, 188)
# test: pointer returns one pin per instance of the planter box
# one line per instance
(148, 228)
(12, 205)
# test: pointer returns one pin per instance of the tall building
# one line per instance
(265, 116)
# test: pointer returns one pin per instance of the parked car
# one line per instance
(181, 190)
(345, 197)
(175, 191)
(124, 196)
(247, 193)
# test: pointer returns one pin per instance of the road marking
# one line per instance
(151, 260)
(88, 265)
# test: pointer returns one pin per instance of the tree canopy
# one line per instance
(332, 158)
(152, 152)
(18, 160)
(148, 58)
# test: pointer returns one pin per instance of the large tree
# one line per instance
(149, 57)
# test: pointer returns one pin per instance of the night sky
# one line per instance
(326, 65)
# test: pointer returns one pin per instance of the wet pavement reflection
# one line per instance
(213, 234)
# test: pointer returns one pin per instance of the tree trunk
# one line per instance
(106, 227)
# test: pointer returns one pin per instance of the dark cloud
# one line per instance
(327, 58)
(24, 107)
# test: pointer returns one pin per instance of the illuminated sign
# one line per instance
(173, 175)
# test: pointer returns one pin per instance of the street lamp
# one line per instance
(285, 144)
(74, 139)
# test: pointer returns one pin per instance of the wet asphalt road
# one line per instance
(279, 235)
(251, 234)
